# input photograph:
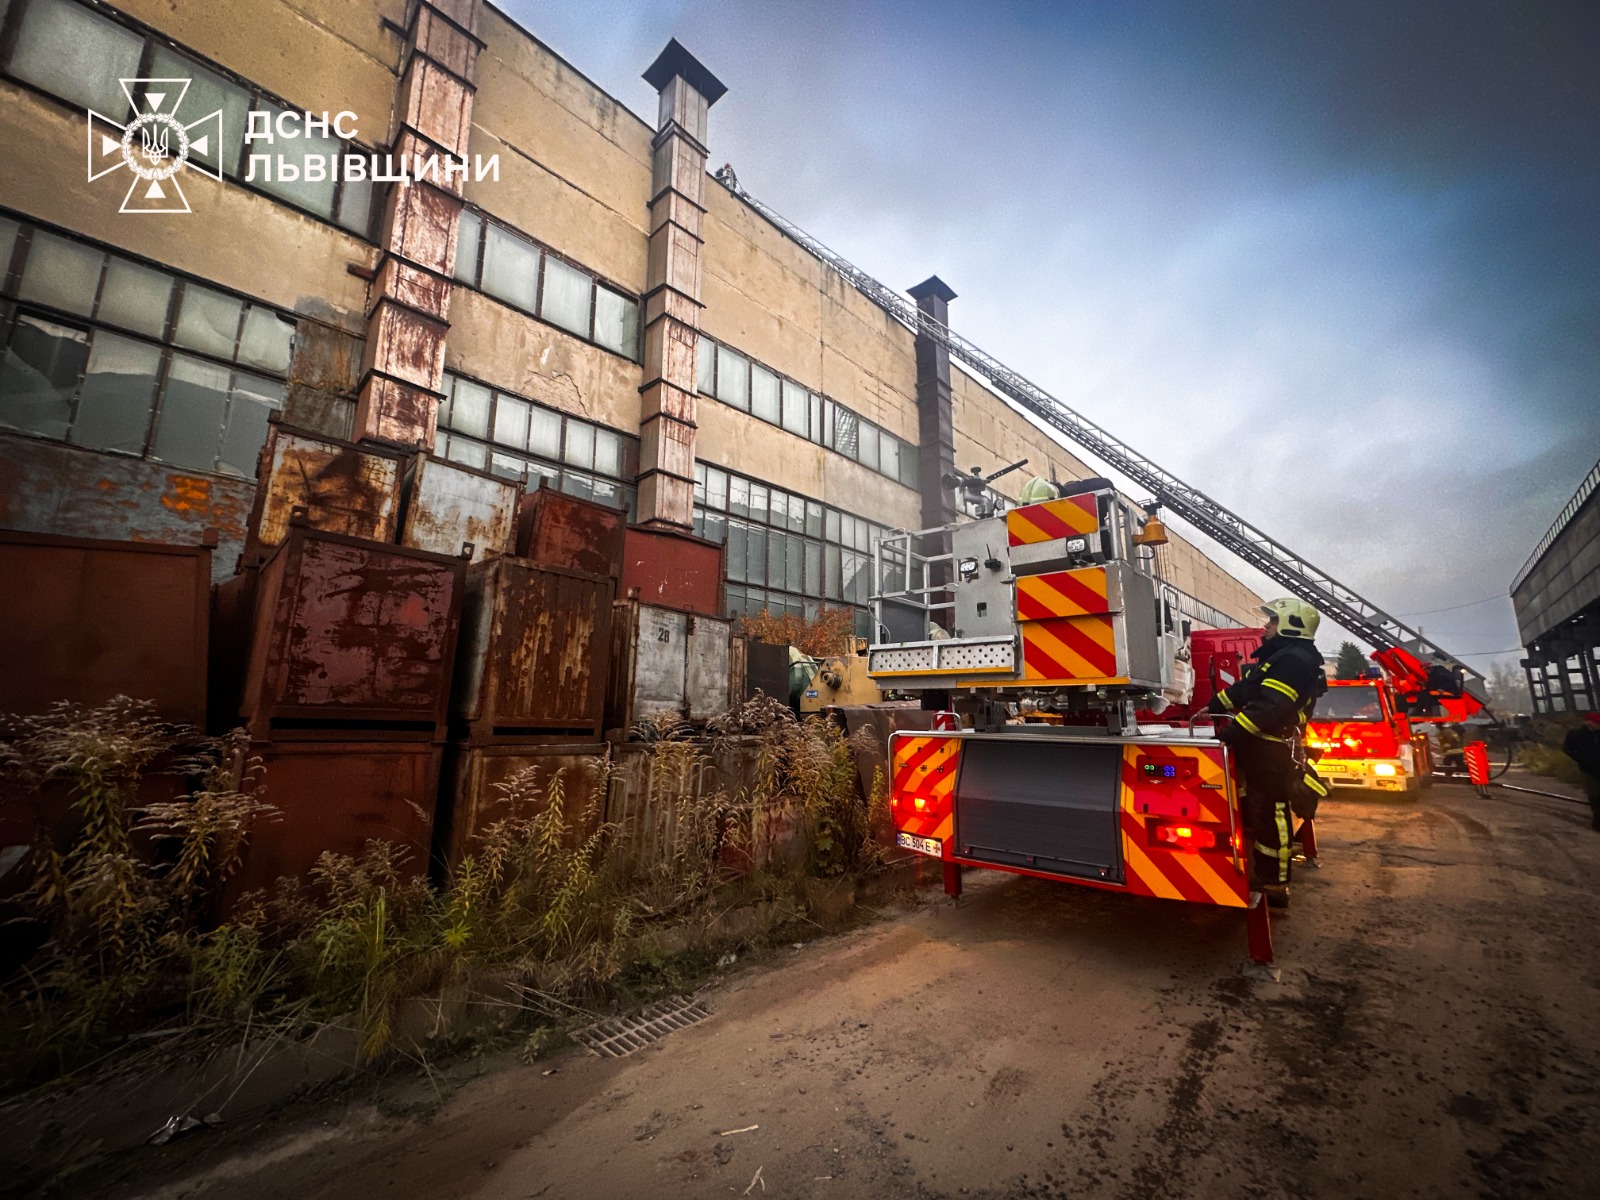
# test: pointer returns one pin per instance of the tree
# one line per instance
(1352, 663)
(1508, 689)
(827, 632)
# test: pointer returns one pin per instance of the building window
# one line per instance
(730, 377)
(516, 269)
(495, 431)
(785, 552)
(81, 54)
(113, 355)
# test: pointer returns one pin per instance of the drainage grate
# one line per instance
(620, 1036)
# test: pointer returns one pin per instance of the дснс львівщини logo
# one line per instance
(155, 145)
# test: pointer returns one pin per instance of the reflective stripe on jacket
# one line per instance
(1275, 696)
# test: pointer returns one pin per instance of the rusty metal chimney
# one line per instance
(408, 302)
(672, 295)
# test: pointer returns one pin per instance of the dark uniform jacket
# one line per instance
(1582, 746)
(1274, 699)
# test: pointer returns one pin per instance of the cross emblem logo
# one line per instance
(154, 145)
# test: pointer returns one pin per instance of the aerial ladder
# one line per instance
(1404, 651)
(1058, 607)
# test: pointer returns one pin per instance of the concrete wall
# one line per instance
(1566, 579)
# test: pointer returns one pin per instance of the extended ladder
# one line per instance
(1227, 528)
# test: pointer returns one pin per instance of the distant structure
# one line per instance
(1557, 599)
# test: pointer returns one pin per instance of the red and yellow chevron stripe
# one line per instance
(924, 768)
(1062, 594)
(1202, 877)
(1053, 519)
(1070, 649)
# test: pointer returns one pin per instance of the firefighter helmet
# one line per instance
(1296, 618)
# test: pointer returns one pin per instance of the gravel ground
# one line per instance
(1433, 1034)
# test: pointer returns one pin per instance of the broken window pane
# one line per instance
(508, 466)
(40, 375)
(511, 422)
(813, 518)
(616, 322)
(207, 93)
(469, 409)
(545, 435)
(78, 55)
(576, 483)
(510, 267)
(136, 297)
(267, 341)
(253, 399)
(468, 234)
(733, 378)
(209, 321)
(846, 430)
(764, 401)
(194, 405)
(566, 296)
(716, 488)
(62, 274)
(119, 391)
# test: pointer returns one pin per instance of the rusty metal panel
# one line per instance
(337, 797)
(674, 570)
(447, 505)
(667, 663)
(344, 488)
(766, 671)
(709, 674)
(46, 487)
(405, 344)
(558, 530)
(474, 795)
(352, 635)
(85, 620)
(233, 608)
(534, 653)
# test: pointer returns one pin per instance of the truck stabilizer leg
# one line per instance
(1306, 835)
(1259, 927)
(952, 880)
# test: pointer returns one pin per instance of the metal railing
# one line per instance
(1558, 527)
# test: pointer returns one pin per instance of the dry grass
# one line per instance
(121, 910)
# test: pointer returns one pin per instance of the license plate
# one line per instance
(923, 845)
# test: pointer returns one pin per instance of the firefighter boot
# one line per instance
(1277, 895)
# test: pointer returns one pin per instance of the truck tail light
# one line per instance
(1193, 838)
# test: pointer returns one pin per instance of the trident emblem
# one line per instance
(154, 145)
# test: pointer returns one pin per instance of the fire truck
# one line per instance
(1058, 608)
(1365, 739)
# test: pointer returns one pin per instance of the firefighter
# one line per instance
(1582, 746)
(1270, 705)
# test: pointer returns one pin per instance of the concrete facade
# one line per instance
(601, 314)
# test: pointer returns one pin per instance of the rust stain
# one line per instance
(187, 493)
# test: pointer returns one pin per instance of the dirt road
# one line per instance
(1434, 1034)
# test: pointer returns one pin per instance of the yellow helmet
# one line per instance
(1296, 618)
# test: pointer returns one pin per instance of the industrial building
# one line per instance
(1557, 600)
(580, 302)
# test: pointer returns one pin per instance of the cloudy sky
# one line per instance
(1337, 265)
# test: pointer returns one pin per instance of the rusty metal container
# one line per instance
(447, 505)
(535, 645)
(352, 638)
(337, 797)
(85, 620)
(475, 794)
(668, 664)
(673, 570)
(343, 488)
(558, 530)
